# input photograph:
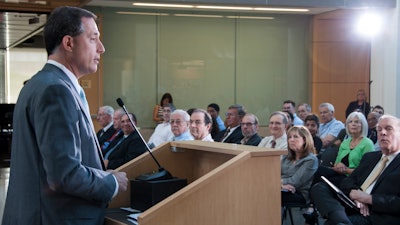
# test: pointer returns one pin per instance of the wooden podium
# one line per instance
(227, 184)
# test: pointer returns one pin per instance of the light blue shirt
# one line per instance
(297, 120)
(186, 136)
(220, 123)
(333, 128)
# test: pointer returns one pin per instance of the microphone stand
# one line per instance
(162, 174)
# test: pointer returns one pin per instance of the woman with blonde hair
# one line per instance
(298, 166)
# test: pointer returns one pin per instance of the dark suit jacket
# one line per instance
(254, 140)
(385, 208)
(130, 148)
(235, 137)
(106, 135)
(56, 175)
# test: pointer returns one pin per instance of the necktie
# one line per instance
(273, 144)
(375, 173)
(113, 148)
(225, 134)
(83, 98)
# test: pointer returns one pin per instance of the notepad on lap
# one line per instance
(341, 195)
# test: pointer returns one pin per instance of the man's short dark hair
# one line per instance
(214, 106)
(64, 20)
(291, 102)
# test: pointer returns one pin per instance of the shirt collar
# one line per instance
(70, 75)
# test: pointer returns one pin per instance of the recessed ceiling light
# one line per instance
(223, 7)
(163, 5)
(199, 15)
(281, 9)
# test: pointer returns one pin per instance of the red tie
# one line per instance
(273, 144)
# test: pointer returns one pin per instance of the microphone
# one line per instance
(162, 174)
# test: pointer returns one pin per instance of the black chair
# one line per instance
(287, 209)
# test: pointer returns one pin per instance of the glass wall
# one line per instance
(258, 63)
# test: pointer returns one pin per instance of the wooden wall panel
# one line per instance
(341, 61)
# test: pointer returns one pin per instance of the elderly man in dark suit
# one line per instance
(249, 126)
(374, 185)
(57, 173)
(233, 132)
(105, 119)
(128, 147)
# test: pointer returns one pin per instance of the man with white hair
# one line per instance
(330, 127)
(105, 119)
(374, 185)
(180, 121)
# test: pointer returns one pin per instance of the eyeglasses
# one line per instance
(230, 114)
(247, 124)
(197, 122)
(176, 121)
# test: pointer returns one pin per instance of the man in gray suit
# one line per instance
(57, 172)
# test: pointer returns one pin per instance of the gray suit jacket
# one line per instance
(56, 175)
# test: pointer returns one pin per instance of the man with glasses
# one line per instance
(249, 126)
(180, 125)
(200, 125)
(233, 132)
(277, 128)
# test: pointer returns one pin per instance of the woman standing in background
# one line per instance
(158, 109)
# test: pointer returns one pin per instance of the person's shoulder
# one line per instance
(367, 141)
(372, 154)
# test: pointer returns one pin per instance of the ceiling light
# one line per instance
(281, 9)
(199, 15)
(369, 24)
(142, 13)
(162, 5)
(222, 7)
(251, 17)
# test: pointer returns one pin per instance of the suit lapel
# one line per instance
(88, 119)
(394, 165)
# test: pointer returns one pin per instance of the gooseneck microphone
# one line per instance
(162, 174)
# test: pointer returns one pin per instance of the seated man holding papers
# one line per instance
(374, 185)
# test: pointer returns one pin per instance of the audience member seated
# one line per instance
(350, 151)
(158, 109)
(359, 105)
(329, 127)
(372, 119)
(303, 110)
(290, 118)
(298, 166)
(249, 126)
(374, 185)
(200, 125)
(118, 134)
(213, 110)
(233, 132)
(312, 123)
(379, 109)
(105, 119)
(290, 106)
(277, 128)
(128, 148)
(163, 132)
(180, 120)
